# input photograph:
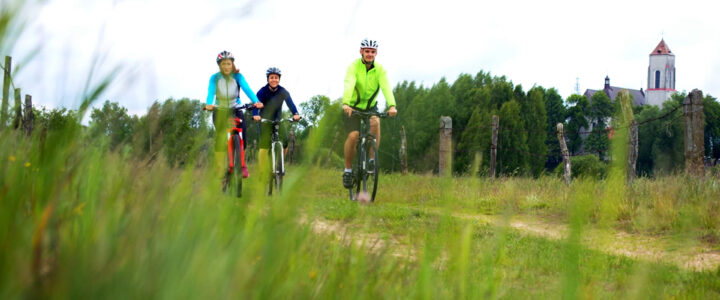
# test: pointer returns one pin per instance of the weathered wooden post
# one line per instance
(493, 146)
(694, 131)
(29, 115)
(565, 154)
(5, 91)
(403, 151)
(445, 145)
(17, 120)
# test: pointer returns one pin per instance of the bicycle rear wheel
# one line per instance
(372, 170)
(236, 176)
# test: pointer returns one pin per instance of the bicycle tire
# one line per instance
(276, 169)
(237, 175)
(372, 171)
(357, 172)
(279, 167)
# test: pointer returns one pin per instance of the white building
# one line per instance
(661, 80)
(661, 75)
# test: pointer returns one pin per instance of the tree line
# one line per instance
(179, 131)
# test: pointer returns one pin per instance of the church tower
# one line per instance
(661, 75)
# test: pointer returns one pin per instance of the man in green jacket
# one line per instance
(363, 80)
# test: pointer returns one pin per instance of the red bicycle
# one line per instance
(235, 147)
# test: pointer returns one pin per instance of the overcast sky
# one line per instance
(167, 48)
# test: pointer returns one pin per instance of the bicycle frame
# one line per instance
(235, 131)
(360, 171)
(276, 146)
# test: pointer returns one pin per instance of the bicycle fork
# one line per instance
(231, 159)
(282, 159)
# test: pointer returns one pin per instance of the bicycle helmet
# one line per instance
(368, 44)
(224, 55)
(273, 70)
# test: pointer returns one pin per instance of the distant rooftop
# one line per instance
(662, 49)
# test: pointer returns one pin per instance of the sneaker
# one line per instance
(347, 180)
(371, 166)
(245, 172)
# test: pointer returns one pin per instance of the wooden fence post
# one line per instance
(444, 164)
(694, 133)
(493, 146)
(5, 92)
(29, 116)
(17, 120)
(403, 151)
(567, 175)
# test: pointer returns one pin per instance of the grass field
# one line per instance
(77, 221)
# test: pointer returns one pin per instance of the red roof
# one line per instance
(661, 49)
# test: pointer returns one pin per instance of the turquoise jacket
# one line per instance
(230, 92)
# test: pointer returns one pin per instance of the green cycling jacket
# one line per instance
(362, 86)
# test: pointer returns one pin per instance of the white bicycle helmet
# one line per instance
(224, 55)
(368, 44)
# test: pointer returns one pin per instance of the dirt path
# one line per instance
(372, 241)
(684, 255)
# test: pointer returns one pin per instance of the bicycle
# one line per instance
(277, 157)
(364, 169)
(236, 148)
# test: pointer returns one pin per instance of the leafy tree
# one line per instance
(576, 121)
(113, 122)
(535, 121)
(556, 113)
(600, 110)
(512, 140)
(312, 110)
(711, 109)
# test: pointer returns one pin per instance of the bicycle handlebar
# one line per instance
(290, 119)
(370, 113)
(241, 107)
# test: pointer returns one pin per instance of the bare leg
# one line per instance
(350, 144)
(375, 129)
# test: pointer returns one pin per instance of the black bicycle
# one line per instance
(236, 147)
(366, 169)
(277, 151)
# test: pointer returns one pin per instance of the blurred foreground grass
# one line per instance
(79, 221)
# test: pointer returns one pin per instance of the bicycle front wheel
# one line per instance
(278, 168)
(372, 170)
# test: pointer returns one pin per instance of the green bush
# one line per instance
(585, 166)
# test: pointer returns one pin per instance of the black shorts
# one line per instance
(352, 123)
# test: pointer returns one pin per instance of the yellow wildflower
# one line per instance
(27, 164)
(12, 158)
(78, 209)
